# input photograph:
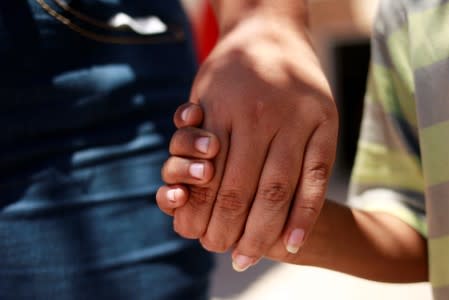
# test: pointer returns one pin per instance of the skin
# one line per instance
(371, 245)
(267, 102)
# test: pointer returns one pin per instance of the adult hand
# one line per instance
(268, 104)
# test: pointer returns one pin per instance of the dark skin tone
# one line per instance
(372, 245)
(269, 106)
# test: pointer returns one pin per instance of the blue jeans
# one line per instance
(85, 114)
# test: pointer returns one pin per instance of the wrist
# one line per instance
(290, 14)
(374, 246)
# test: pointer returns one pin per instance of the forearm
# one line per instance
(231, 12)
(374, 246)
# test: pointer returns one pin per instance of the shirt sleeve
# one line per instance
(387, 175)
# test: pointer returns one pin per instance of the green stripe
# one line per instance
(435, 153)
(439, 261)
(431, 31)
(379, 166)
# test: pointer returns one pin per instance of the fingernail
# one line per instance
(173, 194)
(241, 263)
(197, 170)
(295, 241)
(202, 144)
(185, 114)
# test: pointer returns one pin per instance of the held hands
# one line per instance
(258, 168)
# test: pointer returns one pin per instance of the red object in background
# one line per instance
(205, 31)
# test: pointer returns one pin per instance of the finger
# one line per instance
(188, 115)
(318, 161)
(194, 143)
(245, 161)
(169, 198)
(192, 219)
(188, 171)
(271, 205)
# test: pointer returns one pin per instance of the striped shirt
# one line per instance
(402, 164)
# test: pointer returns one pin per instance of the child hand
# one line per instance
(192, 151)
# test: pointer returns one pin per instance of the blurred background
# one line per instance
(341, 32)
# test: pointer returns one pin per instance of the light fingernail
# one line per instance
(171, 196)
(295, 241)
(241, 263)
(197, 170)
(185, 114)
(202, 144)
(174, 194)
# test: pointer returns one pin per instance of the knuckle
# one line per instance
(275, 194)
(201, 196)
(315, 186)
(318, 172)
(231, 203)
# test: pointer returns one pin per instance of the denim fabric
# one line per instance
(84, 132)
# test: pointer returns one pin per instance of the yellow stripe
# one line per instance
(379, 166)
(439, 261)
(399, 50)
(431, 30)
(435, 153)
